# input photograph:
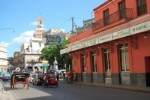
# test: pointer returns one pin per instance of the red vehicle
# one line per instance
(50, 79)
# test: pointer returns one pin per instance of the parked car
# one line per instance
(38, 80)
(6, 76)
(31, 77)
(1, 75)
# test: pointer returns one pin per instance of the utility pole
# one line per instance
(73, 25)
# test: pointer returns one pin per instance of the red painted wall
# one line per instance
(136, 56)
(113, 7)
(80, 36)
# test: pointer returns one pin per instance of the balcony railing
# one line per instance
(142, 9)
(115, 17)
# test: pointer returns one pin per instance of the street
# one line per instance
(74, 92)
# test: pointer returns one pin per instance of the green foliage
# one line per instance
(49, 53)
(65, 43)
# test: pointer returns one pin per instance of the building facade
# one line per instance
(3, 58)
(29, 56)
(116, 49)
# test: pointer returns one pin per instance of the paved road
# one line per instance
(76, 92)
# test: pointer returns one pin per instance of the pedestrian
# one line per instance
(57, 75)
(64, 76)
(70, 76)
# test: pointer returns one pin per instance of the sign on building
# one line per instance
(54, 39)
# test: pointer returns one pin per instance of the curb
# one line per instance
(130, 88)
(4, 94)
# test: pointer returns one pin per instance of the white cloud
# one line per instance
(33, 23)
(22, 38)
(4, 43)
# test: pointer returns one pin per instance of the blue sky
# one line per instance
(22, 14)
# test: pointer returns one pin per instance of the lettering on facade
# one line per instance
(75, 47)
(140, 28)
(93, 42)
(105, 38)
(83, 45)
(121, 33)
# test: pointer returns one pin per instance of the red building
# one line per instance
(117, 48)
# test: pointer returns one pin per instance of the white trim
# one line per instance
(116, 35)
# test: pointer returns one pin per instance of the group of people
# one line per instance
(69, 76)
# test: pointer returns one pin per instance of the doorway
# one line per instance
(147, 65)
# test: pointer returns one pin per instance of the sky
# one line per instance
(18, 18)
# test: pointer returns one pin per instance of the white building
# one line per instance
(29, 56)
(55, 31)
(3, 58)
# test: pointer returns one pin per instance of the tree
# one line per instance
(49, 54)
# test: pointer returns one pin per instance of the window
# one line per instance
(107, 63)
(141, 7)
(107, 59)
(83, 62)
(40, 44)
(94, 62)
(40, 22)
(124, 59)
(106, 17)
(122, 9)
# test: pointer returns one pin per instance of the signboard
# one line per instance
(45, 64)
(54, 39)
(105, 38)
(93, 42)
(75, 47)
(116, 35)
(122, 33)
(83, 45)
(140, 28)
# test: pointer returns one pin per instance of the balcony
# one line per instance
(115, 17)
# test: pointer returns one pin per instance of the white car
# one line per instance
(6, 76)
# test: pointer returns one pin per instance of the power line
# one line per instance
(7, 29)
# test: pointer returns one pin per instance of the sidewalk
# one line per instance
(131, 88)
(5, 95)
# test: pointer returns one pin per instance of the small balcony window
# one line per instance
(141, 7)
(106, 17)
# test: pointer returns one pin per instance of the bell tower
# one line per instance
(40, 28)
